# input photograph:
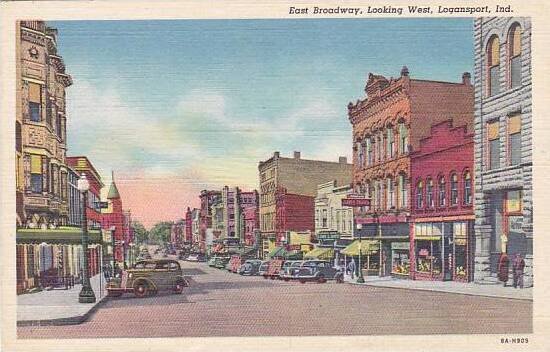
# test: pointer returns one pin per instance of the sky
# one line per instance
(173, 107)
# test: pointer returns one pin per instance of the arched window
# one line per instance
(493, 65)
(402, 180)
(467, 188)
(429, 193)
(454, 189)
(514, 55)
(370, 156)
(419, 194)
(390, 143)
(442, 192)
(390, 193)
(403, 138)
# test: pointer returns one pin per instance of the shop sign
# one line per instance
(423, 252)
(400, 245)
(294, 247)
(355, 202)
(328, 236)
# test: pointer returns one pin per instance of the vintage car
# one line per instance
(218, 262)
(286, 271)
(262, 269)
(250, 267)
(317, 270)
(148, 277)
(273, 267)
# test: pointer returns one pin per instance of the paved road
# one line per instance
(220, 303)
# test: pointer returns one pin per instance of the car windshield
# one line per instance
(310, 264)
(296, 264)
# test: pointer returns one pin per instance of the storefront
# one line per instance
(400, 256)
(366, 254)
(443, 250)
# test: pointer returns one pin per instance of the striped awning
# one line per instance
(320, 253)
(367, 247)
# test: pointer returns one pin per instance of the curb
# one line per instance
(78, 319)
(450, 292)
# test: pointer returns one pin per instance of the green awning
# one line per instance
(277, 252)
(320, 253)
(294, 255)
(367, 247)
(65, 235)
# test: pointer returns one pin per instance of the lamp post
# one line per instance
(86, 295)
(360, 278)
(112, 229)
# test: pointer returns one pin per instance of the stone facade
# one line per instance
(293, 176)
(41, 172)
(503, 144)
(330, 215)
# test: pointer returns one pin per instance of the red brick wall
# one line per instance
(294, 213)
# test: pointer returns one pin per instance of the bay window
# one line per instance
(35, 102)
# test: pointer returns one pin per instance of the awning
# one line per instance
(367, 247)
(320, 253)
(428, 238)
(277, 252)
(64, 235)
(294, 255)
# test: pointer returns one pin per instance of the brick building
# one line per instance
(288, 184)
(188, 233)
(250, 202)
(442, 217)
(387, 126)
(207, 198)
(503, 144)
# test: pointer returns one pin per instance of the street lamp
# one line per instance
(112, 229)
(86, 295)
(360, 278)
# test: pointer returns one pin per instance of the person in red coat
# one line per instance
(518, 265)
(503, 268)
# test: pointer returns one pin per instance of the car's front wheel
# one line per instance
(141, 289)
(321, 279)
(178, 288)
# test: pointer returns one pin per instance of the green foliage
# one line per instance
(160, 232)
(141, 234)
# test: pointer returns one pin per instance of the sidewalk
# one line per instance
(58, 306)
(497, 290)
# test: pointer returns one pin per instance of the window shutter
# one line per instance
(492, 130)
(514, 124)
(34, 93)
(36, 164)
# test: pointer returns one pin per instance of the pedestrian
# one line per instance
(352, 268)
(106, 271)
(517, 266)
(503, 268)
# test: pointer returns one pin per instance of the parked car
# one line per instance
(317, 270)
(148, 277)
(262, 269)
(218, 262)
(192, 257)
(273, 269)
(286, 271)
(250, 267)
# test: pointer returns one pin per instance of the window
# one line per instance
(390, 197)
(467, 188)
(494, 145)
(324, 219)
(18, 136)
(403, 138)
(493, 65)
(419, 193)
(35, 101)
(514, 140)
(36, 174)
(378, 194)
(370, 155)
(429, 193)
(454, 189)
(390, 148)
(514, 52)
(442, 199)
(359, 154)
(402, 191)
(379, 148)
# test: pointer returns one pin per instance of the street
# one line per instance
(219, 303)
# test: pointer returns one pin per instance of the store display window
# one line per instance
(401, 264)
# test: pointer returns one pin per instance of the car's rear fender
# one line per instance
(149, 282)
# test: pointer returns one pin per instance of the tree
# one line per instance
(160, 232)
(141, 234)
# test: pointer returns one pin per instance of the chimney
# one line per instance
(466, 78)
(343, 160)
(276, 155)
(296, 155)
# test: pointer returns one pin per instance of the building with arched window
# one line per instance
(442, 232)
(390, 122)
(503, 147)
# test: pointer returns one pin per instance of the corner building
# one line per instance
(387, 126)
(503, 144)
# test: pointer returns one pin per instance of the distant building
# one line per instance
(207, 197)
(287, 190)
(330, 216)
(503, 144)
